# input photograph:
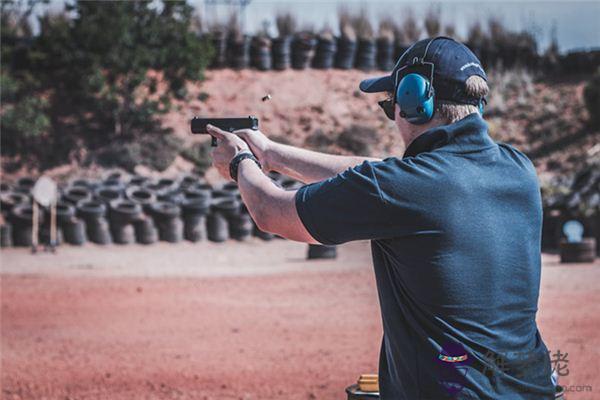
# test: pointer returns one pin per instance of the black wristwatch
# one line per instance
(235, 162)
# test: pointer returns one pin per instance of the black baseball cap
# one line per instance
(453, 63)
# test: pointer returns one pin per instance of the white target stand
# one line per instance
(45, 195)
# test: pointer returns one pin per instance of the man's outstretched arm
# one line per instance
(304, 165)
(272, 208)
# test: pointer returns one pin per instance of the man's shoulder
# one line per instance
(517, 157)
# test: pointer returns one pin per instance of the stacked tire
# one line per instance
(21, 225)
(93, 213)
(167, 219)
(195, 207)
(123, 210)
(123, 214)
(282, 53)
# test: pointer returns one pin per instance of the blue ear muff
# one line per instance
(481, 106)
(415, 98)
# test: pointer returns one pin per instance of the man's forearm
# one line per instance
(309, 166)
(272, 208)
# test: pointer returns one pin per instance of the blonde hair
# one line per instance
(476, 86)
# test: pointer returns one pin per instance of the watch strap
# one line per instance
(235, 163)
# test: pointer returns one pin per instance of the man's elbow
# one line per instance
(263, 221)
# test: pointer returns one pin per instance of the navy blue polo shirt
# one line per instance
(455, 237)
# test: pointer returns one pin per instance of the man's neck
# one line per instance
(417, 130)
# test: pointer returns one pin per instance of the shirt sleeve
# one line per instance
(346, 207)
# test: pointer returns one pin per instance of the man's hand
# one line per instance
(260, 145)
(229, 146)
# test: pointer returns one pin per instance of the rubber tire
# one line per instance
(227, 206)
(196, 202)
(74, 232)
(140, 195)
(21, 236)
(21, 215)
(138, 180)
(317, 251)
(175, 197)
(25, 184)
(168, 184)
(145, 231)
(290, 184)
(194, 227)
(241, 226)
(91, 209)
(578, 252)
(65, 212)
(82, 182)
(164, 210)
(189, 180)
(107, 194)
(98, 231)
(125, 211)
(6, 239)
(266, 236)
(217, 227)
(122, 233)
(76, 194)
(170, 230)
(11, 199)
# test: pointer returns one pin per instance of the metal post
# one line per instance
(35, 217)
(53, 226)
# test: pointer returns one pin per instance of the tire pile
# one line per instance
(305, 50)
(302, 51)
(123, 209)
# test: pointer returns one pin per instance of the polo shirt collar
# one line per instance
(467, 135)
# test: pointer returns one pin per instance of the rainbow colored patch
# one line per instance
(453, 359)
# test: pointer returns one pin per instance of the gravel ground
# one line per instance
(236, 321)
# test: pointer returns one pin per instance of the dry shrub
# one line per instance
(347, 30)
(286, 24)
(476, 34)
(496, 29)
(234, 29)
(362, 26)
(387, 28)
(450, 31)
(358, 139)
(433, 24)
(326, 33)
(412, 30)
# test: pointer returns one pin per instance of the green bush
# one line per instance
(156, 151)
(200, 155)
(81, 82)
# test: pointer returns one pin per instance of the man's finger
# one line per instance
(243, 133)
(216, 132)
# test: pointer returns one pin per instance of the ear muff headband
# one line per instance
(414, 92)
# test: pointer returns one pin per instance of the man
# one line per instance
(454, 226)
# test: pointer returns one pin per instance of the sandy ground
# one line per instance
(236, 321)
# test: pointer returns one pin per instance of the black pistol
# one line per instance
(226, 124)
